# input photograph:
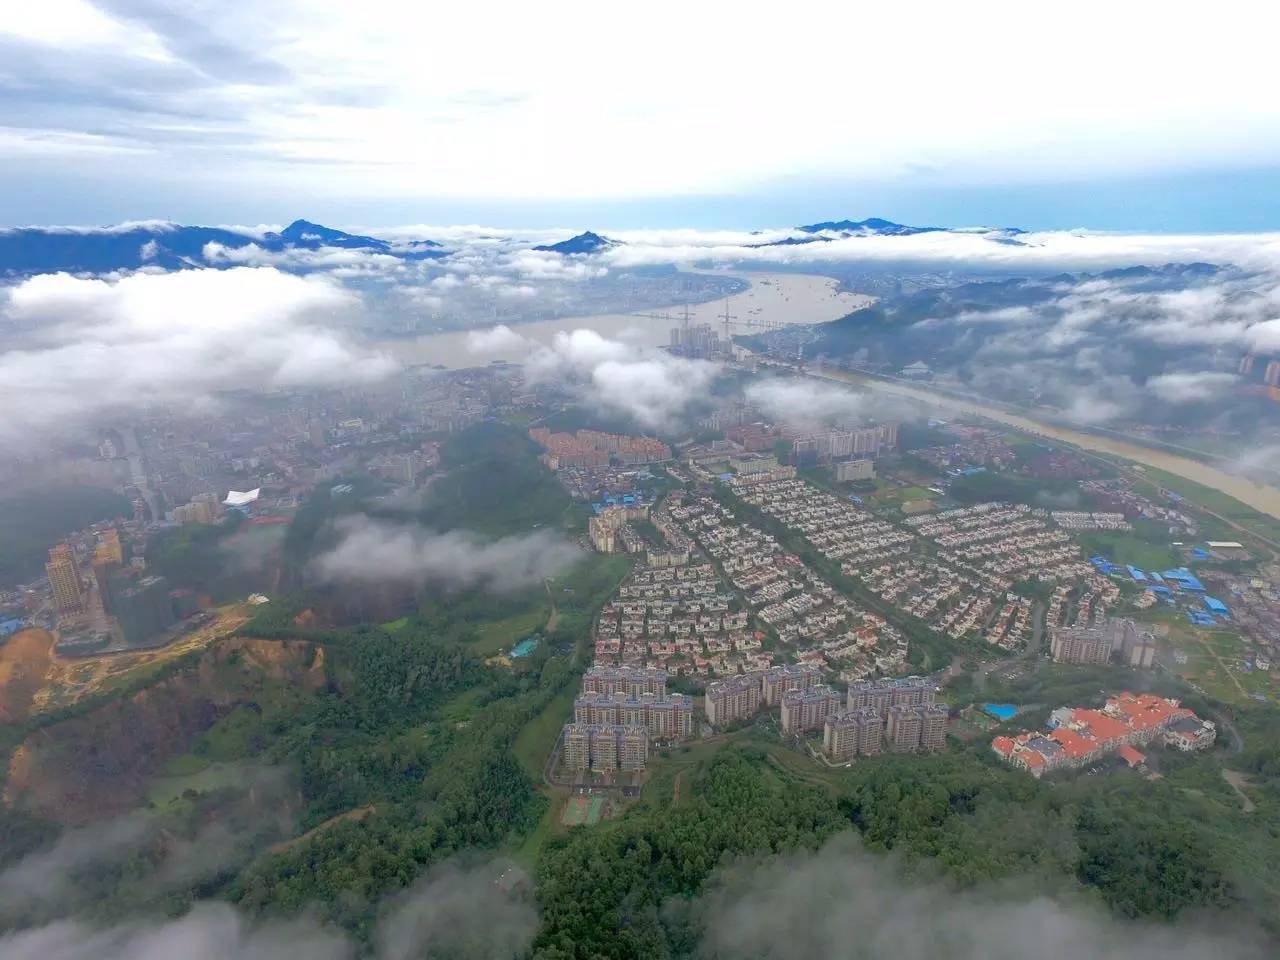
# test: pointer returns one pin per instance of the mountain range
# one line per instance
(586, 242)
(26, 251)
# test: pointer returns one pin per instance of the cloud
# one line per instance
(460, 911)
(1190, 387)
(86, 351)
(842, 903)
(211, 931)
(496, 340)
(810, 404)
(73, 873)
(456, 910)
(49, 875)
(652, 387)
(372, 550)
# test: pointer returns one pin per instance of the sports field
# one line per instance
(582, 811)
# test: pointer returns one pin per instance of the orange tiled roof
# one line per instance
(1075, 745)
(1099, 724)
(1131, 756)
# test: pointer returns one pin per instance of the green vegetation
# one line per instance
(497, 635)
(1120, 547)
(1146, 849)
(31, 523)
(981, 487)
(496, 486)
(1220, 503)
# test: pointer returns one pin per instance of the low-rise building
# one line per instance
(1079, 736)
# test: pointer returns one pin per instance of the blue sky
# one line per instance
(663, 115)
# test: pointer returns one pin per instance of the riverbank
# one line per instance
(1260, 496)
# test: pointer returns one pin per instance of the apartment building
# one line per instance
(633, 681)
(1092, 644)
(852, 733)
(911, 728)
(633, 748)
(776, 681)
(669, 717)
(880, 695)
(805, 710)
(604, 748)
(1080, 645)
(733, 698)
(575, 752)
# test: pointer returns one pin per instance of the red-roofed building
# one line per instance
(1079, 736)
(1131, 755)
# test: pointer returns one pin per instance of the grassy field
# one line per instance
(1214, 664)
(1218, 502)
(188, 772)
(539, 735)
(498, 635)
(1120, 547)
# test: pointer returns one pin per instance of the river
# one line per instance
(1262, 497)
(798, 298)
(772, 298)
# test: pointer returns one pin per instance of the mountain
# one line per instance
(313, 236)
(26, 251)
(871, 227)
(587, 242)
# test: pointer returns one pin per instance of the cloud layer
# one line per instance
(652, 387)
(376, 551)
(842, 903)
(455, 910)
(82, 351)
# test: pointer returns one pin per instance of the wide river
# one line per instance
(1262, 497)
(804, 298)
(771, 298)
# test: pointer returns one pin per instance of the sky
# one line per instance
(1110, 116)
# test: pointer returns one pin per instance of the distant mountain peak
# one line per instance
(26, 251)
(872, 226)
(585, 242)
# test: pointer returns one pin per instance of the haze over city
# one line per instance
(654, 481)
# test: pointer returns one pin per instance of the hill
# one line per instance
(587, 242)
(26, 251)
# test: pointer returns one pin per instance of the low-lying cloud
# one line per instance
(499, 339)
(805, 404)
(81, 352)
(377, 551)
(653, 388)
(468, 912)
(845, 904)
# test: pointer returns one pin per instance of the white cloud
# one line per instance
(653, 388)
(1190, 387)
(373, 551)
(842, 903)
(453, 910)
(341, 101)
(89, 350)
(497, 339)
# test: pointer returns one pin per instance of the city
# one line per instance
(467, 492)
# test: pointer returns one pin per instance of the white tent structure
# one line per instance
(235, 498)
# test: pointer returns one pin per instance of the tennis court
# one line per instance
(582, 811)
